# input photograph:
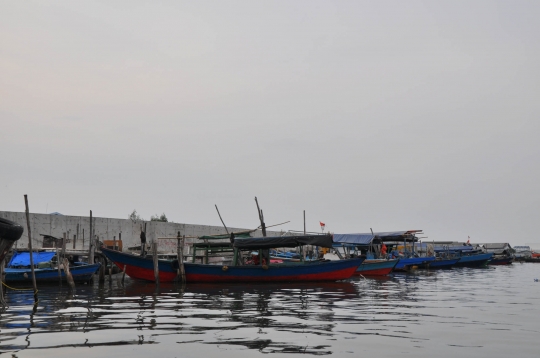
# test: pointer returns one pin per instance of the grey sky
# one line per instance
(384, 114)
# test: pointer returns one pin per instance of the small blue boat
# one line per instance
(443, 264)
(474, 260)
(406, 264)
(19, 270)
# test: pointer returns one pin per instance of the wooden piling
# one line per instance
(2, 301)
(91, 243)
(58, 263)
(123, 273)
(180, 256)
(30, 248)
(64, 245)
(303, 248)
(155, 259)
(143, 240)
(75, 237)
(69, 276)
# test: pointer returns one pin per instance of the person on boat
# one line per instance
(255, 259)
(383, 250)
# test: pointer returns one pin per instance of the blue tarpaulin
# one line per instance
(23, 258)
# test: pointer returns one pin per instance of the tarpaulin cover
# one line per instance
(282, 241)
(366, 239)
(23, 258)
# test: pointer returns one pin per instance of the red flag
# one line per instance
(322, 224)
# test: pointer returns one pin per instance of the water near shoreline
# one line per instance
(468, 312)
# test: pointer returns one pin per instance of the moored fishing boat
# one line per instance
(400, 245)
(503, 253)
(501, 260)
(19, 270)
(443, 264)
(143, 268)
(376, 267)
(411, 263)
(474, 260)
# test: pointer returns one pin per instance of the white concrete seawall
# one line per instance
(108, 229)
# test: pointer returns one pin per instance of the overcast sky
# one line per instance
(391, 115)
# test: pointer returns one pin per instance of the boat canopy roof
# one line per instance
(23, 258)
(497, 246)
(366, 239)
(226, 236)
(282, 241)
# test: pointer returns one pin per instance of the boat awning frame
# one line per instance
(282, 241)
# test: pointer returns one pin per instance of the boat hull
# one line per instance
(479, 260)
(376, 267)
(143, 268)
(443, 264)
(501, 261)
(407, 263)
(9, 233)
(82, 273)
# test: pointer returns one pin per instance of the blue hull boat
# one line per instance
(19, 268)
(80, 273)
(478, 260)
(408, 263)
(443, 264)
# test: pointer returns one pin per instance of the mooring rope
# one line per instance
(18, 289)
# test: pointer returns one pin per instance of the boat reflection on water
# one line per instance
(142, 288)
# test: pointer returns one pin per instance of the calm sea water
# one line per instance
(493, 312)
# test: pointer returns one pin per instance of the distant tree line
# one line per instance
(134, 216)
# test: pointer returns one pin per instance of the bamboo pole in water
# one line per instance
(304, 249)
(75, 237)
(102, 269)
(180, 257)
(155, 259)
(2, 301)
(30, 248)
(91, 243)
(58, 260)
(64, 245)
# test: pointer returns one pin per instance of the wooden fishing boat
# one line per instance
(503, 253)
(376, 267)
(374, 245)
(409, 263)
(443, 264)
(138, 267)
(474, 260)
(19, 270)
(501, 260)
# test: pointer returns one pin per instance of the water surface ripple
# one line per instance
(470, 312)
